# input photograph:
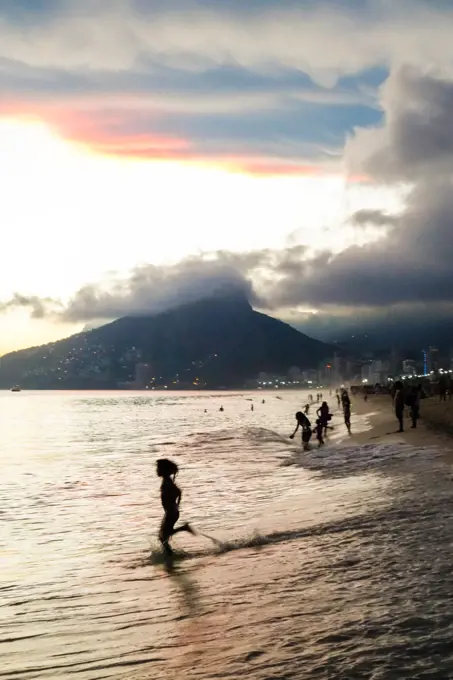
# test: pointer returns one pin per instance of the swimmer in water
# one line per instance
(170, 495)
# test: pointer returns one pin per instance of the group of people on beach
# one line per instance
(322, 421)
(409, 397)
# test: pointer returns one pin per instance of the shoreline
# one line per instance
(434, 428)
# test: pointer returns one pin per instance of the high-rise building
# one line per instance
(433, 359)
(374, 372)
(409, 367)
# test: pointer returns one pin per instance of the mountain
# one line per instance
(214, 342)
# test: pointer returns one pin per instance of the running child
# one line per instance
(170, 495)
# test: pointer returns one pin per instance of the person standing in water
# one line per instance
(319, 430)
(304, 423)
(346, 403)
(170, 495)
(324, 415)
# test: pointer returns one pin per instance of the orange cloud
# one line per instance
(111, 133)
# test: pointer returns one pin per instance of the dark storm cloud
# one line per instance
(416, 138)
(151, 289)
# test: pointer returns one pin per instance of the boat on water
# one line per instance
(16, 388)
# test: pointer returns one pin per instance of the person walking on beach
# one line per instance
(307, 409)
(324, 415)
(170, 496)
(414, 405)
(399, 407)
(442, 388)
(304, 423)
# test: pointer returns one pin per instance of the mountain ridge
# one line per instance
(212, 342)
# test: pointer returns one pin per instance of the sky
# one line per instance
(155, 151)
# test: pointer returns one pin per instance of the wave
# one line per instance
(361, 523)
(345, 460)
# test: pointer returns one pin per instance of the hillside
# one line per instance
(215, 342)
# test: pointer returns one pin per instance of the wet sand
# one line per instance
(435, 427)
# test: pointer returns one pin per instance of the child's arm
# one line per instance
(291, 436)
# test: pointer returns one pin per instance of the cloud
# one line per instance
(38, 307)
(410, 263)
(272, 90)
(416, 138)
(377, 218)
(264, 84)
(150, 289)
(323, 39)
(226, 114)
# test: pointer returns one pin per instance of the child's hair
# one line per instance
(166, 468)
(299, 415)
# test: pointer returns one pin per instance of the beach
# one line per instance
(332, 563)
(434, 427)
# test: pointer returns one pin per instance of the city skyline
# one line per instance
(151, 152)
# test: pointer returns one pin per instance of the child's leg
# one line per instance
(184, 527)
(167, 529)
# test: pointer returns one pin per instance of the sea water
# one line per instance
(333, 563)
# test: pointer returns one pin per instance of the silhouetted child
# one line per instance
(319, 430)
(170, 495)
(304, 423)
(346, 402)
(324, 415)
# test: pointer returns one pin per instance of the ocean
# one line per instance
(334, 563)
